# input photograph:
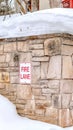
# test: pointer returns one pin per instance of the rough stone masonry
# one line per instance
(49, 97)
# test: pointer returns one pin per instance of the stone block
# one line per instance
(38, 53)
(41, 59)
(14, 79)
(36, 91)
(1, 49)
(50, 91)
(67, 71)
(72, 96)
(8, 57)
(71, 105)
(13, 59)
(39, 112)
(10, 47)
(36, 46)
(43, 97)
(2, 86)
(2, 58)
(67, 50)
(52, 46)
(66, 100)
(43, 105)
(3, 65)
(51, 113)
(25, 57)
(54, 68)
(35, 63)
(23, 46)
(65, 119)
(67, 42)
(56, 101)
(44, 69)
(24, 92)
(72, 113)
(36, 42)
(66, 86)
(4, 77)
(35, 76)
(21, 101)
(54, 84)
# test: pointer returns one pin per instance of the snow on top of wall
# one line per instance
(57, 20)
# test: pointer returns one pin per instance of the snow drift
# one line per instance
(49, 21)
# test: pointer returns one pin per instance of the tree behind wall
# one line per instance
(20, 6)
(5, 7)
(23, 6)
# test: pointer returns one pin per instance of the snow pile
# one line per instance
(10, 120)
(57, 20)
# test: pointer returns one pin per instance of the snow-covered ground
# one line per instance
(10, 120)
(57, 20)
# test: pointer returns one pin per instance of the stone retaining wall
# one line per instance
(49, 97)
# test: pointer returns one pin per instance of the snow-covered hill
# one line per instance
(57, 20)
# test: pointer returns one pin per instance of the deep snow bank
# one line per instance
(49, 21)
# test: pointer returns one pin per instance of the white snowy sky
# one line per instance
(56, 20)
(10, 120)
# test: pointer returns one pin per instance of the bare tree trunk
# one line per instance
(34, 5)
(22, 9)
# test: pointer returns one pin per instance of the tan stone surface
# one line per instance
(39, 112)
(65, 118)
(52, 113)
(38, 53)
(66, 98)
(66, 86)
(14, 79)
(49, 97)
(35, 46)
(1, 49)
(67, 50)
(72, 96)
(23, 46)
(3, 65)
(54, 69)
(36, 91)
(67, 72)
(25, 57)
(2, 58)
(54, 84)
(56, 101)
(2, 86)
(52, 46)
(67, 42)
(8, 57)
(72, 114)
(44, 58)
(71, 105)
(50, 91)
(4, 77)
(24, 92)
(35, 63)
(44, 70)
(35, 76)
(10, 47)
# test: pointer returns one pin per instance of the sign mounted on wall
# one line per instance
(67, 3)
(25, 73)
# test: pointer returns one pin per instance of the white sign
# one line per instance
(25, 73)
